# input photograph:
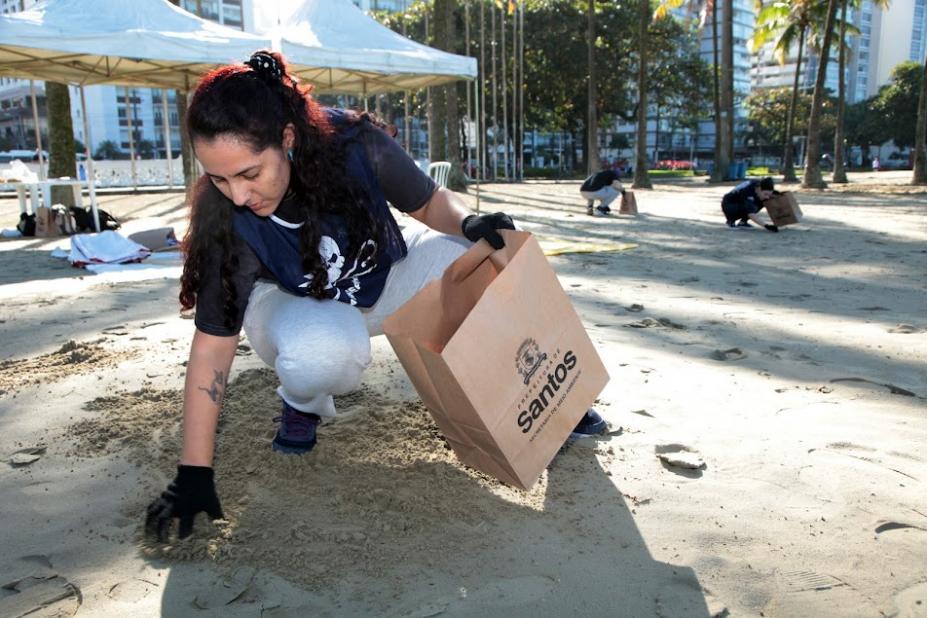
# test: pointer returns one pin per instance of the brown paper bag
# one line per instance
(628, 203)
(45, 224)
(500, 358)
(783, 209)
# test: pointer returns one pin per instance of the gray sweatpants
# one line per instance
(320, 348)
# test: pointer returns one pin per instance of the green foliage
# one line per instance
(862, 126)
(108, 149)
(145, 149)
(767, 111)
(896, 103)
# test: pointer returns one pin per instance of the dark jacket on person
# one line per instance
(599, 179)
(741, 200)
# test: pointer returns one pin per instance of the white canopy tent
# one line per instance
(333, 45)
(336, 47)
(145, 43)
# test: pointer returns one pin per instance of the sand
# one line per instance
(766, 452)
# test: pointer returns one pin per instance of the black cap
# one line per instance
(766, 184)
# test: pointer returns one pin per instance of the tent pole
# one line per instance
(38, 130)
(130, 117)
(91, 182)
(168, 151)
(407, 122)
(479, 147)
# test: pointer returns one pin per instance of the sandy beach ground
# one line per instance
(791, 365)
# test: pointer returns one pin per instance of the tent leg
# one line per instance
(91, 182)
(38, 131)
(478, 140)
(130, 116)
(168, 151)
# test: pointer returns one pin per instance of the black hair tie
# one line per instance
(266, 65)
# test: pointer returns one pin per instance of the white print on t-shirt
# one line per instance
(334, 262)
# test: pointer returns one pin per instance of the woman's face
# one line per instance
(256, 180)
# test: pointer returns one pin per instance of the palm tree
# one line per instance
(785, 22)
(727, 83)
(641, 177)
(812, 178)
(920, 149)
(840, 174)
(592, 161)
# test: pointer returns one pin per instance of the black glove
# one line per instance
(191, 491)
(476, 227)
(771, 227)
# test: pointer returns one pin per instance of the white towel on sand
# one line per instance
(107, 247)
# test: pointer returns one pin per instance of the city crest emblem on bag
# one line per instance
(529, 358)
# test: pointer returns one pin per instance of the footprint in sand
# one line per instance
(912, 602)
(635, 308)
(656, 323)
(680, 458)
(904, 329)
(731, 354)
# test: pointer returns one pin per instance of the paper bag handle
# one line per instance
(464, 266)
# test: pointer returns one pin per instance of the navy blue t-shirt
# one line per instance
(268, 247)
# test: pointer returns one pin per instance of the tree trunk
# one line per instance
(719, 166)
(840, 173)
(592, 146)
(812, 178)
(61, 159)
(788, 165)
(727, 74)
(641, 177)
(920, 136)
(437, 95)
(456, 180)
(186, 147)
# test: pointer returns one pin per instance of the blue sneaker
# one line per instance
(296, 434)
(590, 425)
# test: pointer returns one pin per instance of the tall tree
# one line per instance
(720, 163)
(641, 176)
(727, 80)
(920, 134)
(186, 146)
(592, 125)
(61, 159)
(444, 121)
(785, 24)
(812, 178)
(840, 173)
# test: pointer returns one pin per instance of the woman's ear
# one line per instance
(289, 136)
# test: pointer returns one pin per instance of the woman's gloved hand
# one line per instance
(476, 227)
(191, 491)
(771, 227)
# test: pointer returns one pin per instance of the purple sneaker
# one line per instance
(296, 434)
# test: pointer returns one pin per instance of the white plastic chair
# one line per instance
(439, 171)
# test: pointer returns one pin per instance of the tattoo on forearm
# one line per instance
(216, 390)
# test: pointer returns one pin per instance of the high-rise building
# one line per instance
(886, 38)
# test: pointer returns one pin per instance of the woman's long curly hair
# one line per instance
(254, 102)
